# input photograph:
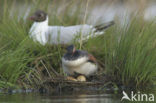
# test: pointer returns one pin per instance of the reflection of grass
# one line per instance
(127, 55)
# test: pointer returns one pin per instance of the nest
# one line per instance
(60, 83)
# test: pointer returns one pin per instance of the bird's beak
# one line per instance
(73, 51)
(32, 18)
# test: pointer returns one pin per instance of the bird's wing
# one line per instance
(92, 58)
(103, 26)
(67, 34)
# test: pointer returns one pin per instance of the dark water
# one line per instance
(44, 98)
(76, 97)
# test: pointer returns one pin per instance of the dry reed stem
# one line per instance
(84, 20)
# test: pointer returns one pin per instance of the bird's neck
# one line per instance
(38, 31)
(45, 23)
(39, 27)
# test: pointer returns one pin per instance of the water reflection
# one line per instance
(36, 98)
(150, 12)
(103, 10)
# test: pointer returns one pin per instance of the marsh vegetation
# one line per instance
(126, 53)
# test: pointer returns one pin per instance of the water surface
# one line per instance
(72, 98)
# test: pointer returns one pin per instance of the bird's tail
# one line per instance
(98, 30)
(103, 26)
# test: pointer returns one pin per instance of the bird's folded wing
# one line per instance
(92, 58)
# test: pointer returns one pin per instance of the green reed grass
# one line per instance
(126, 54)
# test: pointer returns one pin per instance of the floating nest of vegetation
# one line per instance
(47, 79)
(60, 83)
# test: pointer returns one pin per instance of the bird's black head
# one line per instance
(70, 49)
(39, 16)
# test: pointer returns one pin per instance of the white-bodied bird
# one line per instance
(43, 33)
